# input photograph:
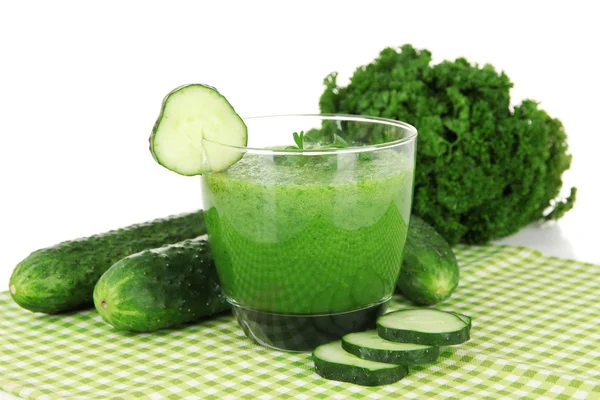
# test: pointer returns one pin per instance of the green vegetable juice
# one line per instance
(309, 235)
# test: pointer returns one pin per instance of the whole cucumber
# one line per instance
(161, 288)
(62, 277)
(429, 272)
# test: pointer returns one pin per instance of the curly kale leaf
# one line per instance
(484, 171)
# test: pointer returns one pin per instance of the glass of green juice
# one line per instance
(307, 230)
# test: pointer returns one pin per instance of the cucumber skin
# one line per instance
(412, 357)
(62, 277)
(358, 375)
(161, 288)
(430, 339)
(429, 273)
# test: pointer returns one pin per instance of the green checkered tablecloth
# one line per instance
(536, 334)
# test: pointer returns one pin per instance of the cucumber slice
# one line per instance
(333, 362)
(424, 326)
(190, 114)
(466, 319)
(370, 346)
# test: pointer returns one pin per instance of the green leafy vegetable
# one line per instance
(299, 139)
(484, 170)
(305, 142)
(338, 143)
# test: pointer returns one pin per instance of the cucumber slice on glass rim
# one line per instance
(369, 345)
(333, 362)
(426, 326)
(189, 115)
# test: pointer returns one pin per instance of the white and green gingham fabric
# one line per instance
(535, 335)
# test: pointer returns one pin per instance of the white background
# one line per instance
(81, 85)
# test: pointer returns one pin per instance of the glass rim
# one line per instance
(410, 137)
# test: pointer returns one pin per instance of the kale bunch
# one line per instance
(484, 170)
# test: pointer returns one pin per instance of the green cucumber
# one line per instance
(426, 326)
(333, 362)
(62, 277)
(465, 318)
(429, 272)
(160, 288)
(189, 115)
(370, 346)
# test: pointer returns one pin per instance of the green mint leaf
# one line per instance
(299, 139)
(338, 143)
